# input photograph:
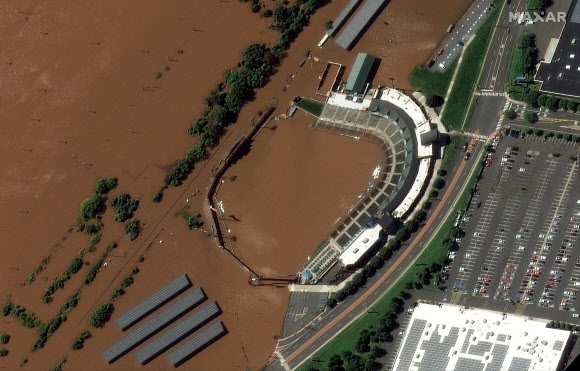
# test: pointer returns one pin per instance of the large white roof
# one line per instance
(360, 246)
(449, 337)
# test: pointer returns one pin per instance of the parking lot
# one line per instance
(520, 231)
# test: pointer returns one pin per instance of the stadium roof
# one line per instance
(358, 23)
(153, 302)
(198, 342)
(153, 326)
(359, 73)
(171, 337)
(449, 337)
(562, 75)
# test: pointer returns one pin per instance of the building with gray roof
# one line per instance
(196, 344)
(156, 300)
(154, 325)
(173, 336)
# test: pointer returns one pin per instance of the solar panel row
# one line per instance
(152, 326)
(153, 302)
(177, 333)
(358, 23)
(196, 343)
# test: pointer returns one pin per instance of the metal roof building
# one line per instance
(152, 326)
(198, 342)
(357, 24)
(359, 73)
(342, 16)
(177, 333)
(153, 302)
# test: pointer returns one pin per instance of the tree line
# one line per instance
(257, 64)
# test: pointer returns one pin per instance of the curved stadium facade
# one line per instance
(396, 123)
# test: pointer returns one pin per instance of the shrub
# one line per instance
(4, 338)
(7, 308)
(92, 206)
(75, 265)
(101, 315)
(124, 206)
(80, 340)
(266, 13)
(3, 352)
(132, 229)
(158, 196)
(128, 281)
(105, 185)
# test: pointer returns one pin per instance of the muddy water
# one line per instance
(79, 99)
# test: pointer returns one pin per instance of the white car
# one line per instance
(521, 169)
(542, 236)
(521, 248)
(575, 315)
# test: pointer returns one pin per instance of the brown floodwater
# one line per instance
(79, 99)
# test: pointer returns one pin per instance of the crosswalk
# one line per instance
(501, 117)
(480, 137)
(490, 93)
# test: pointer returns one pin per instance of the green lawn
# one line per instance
(311, 106)
(516, 64)
(465, 82)
(346, 341)
(432, 82)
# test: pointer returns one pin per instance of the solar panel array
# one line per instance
(338, 21)
(177, 333)
(199, 341)
(152, 326)
(153, 302)
(358, 23)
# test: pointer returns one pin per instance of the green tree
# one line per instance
(132, 228)
(552, 103)
(571, 106)
(542, 100)
(328, 25)
(101, 315)
(124, 206)
(439, 183)
(4, 338)
(92, 206)
(531, 117)
(531, 98)
(435, 100)
(510, 114)
(104, 186)
(3, 352)
(253, 56)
